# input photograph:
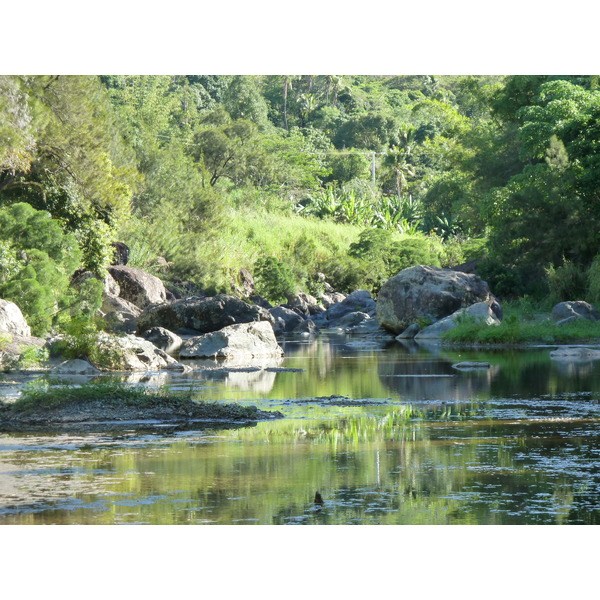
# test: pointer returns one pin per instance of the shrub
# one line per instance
(273, 279)
(593, 280)
(567, 282)
(36, 262)
(410, 252)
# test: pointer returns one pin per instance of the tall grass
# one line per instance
(518, 329)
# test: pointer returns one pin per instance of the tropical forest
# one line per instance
(299, 299)
(355, 177)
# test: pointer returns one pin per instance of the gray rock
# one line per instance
(577, 309)
(352, 319)
(306, 328)
(409, 332)
(12, 320)
(285, 319)
(575, 354)
(360, 300)
(119, 314)
(202, 315)
(471, 366)
(163, 338)
(111, 287)
(338, 310)
(132, 353)
(75, 366)
(329, 299)
(251, 340)
(244, 284)
(120, 254)
(137, 286)
(13, 347)
(427, 292)
(481, 311)
(303, 302)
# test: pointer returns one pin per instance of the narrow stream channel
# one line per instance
(385, 433)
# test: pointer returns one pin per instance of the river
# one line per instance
(385, 433)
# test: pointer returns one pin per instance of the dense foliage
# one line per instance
(355, 177)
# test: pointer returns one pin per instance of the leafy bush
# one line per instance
(567, 282)
(273, 279)
(410, 252)
(593, 280)
(346, 274)
(36, 260)
(512, 281)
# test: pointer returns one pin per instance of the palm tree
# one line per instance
(287, 86)
(334, 85)
(397, 161)
(307, 103)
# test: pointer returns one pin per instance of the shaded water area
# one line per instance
(386, 433)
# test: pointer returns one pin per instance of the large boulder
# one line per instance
(12, 319)
(480, 311)
(202, 314)
(248, 340)
(358, 301)
(119, 314)
(132, 353)
(574, 310)
(285, 319)
(17, 351)
(431, 293)
(138, 287)
(163, 338)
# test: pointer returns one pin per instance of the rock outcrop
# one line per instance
(247, 340)
(120, 314)
(12, 320)
(423, 292)
(132, 353)
(138, 287)
(480, 311)
(566, 312)
(202, 315)
(163, 338)
(285, 319)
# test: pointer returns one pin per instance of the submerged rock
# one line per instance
(575, 353)
(75, 366)
(306, 328)
(471, 366)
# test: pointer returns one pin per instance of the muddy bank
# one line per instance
(109, 412)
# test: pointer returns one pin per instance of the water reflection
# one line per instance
(516, 443)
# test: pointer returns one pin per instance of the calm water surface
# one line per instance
(387, 434)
